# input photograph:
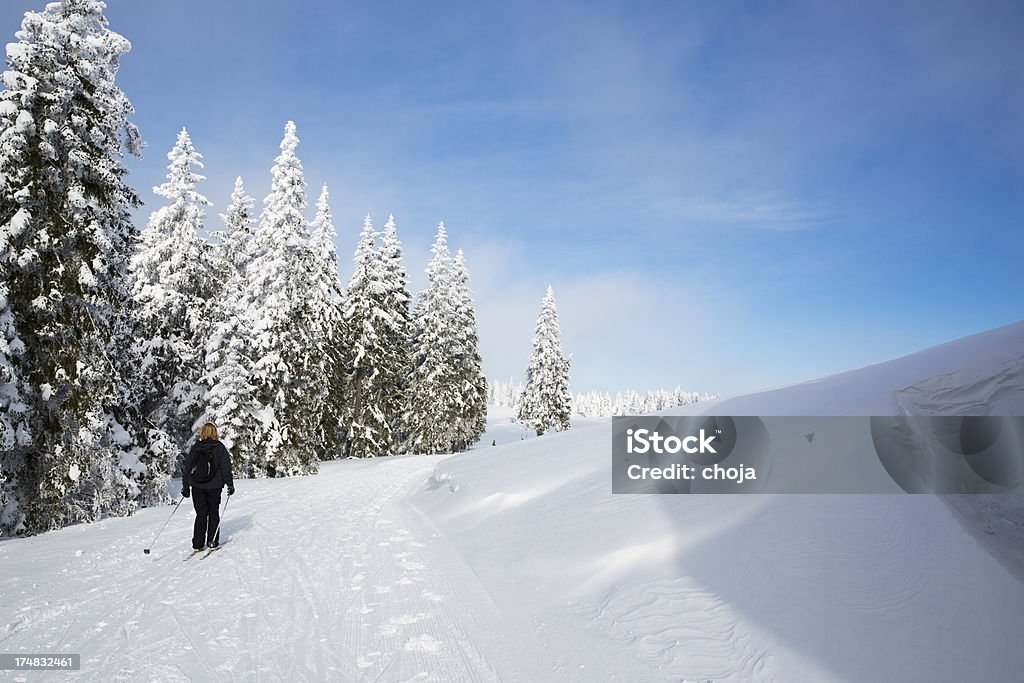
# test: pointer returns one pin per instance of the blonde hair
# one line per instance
(208, 432)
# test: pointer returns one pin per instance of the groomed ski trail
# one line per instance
(330, 577)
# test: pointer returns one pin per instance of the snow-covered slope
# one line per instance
(514, 562)
(884, 587)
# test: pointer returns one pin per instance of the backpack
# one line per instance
(204, 468)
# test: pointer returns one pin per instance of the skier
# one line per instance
(207, 471)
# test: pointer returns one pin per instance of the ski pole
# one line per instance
(216, 531)
(176, 506)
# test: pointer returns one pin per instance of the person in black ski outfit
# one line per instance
(206, 492)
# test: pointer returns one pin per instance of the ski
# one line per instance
(191, 554)
(210, 551)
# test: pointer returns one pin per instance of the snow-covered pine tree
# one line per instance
(466, 357)
(328, 325)
(172, 281)
(283, 337)
(433, 399)
(395, 331)
(14, 428)
(231, 398)
(65, 240)
(546, 402)
(369, 432)
(232, 246)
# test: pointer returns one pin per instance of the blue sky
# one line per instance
(724, 195)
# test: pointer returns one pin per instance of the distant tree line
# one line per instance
(506, 394)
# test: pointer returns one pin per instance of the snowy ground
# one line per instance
(333, 577)
(843, 587)
(513, 562)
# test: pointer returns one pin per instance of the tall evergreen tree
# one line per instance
(172, 281)
(65, 240)
(283, 334)
(395, 332)
(546, 402)
(433, 399)
(369, 431)
(234, 243)
(231, 398)
(328, 327)
(322, 234)
(468, 364)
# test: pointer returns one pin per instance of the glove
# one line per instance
(184, 493)
(231, 490)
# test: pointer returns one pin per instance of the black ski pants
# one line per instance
(207, 505)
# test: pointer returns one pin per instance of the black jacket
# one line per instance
(222, 464)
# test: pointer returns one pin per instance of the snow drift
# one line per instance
(809, 587)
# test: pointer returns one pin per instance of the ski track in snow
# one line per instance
(330, 577)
